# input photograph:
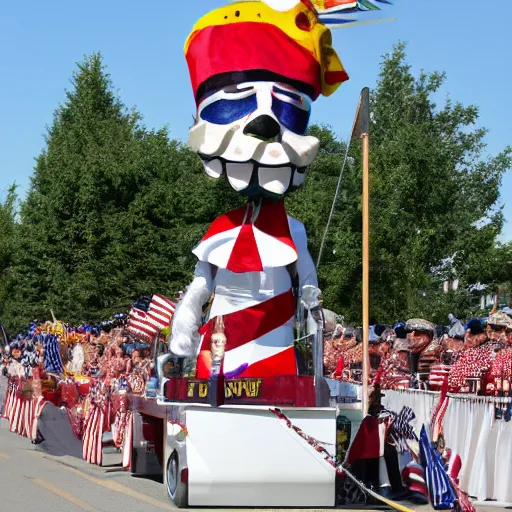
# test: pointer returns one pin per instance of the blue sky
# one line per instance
(142, 43)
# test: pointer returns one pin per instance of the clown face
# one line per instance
(254, 133)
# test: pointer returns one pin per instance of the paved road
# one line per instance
(32, 481)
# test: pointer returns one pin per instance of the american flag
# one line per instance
(442, 494)
(157, 317)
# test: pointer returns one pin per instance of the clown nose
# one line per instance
(264, 127)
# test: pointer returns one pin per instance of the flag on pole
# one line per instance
(360, 127)
(362, 119)
(157, 317)
(442, 495)
(161, 310)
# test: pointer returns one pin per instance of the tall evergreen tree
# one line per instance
(8, 238)
(435, 192)
(434, 201)
(112, 211)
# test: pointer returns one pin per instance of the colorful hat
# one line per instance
(500, 319)
(419, 324)
(249, 41)
(475, 326)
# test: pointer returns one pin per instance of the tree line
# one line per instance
(114, 208)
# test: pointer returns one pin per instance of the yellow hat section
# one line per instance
(317, 39)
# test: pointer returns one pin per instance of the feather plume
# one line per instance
(335, 13)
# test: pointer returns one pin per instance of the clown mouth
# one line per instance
(253, 178)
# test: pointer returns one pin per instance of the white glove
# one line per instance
(185, 336)
(310, 297)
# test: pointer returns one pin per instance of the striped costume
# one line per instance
(244, 259)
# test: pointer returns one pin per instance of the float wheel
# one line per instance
(176, 488)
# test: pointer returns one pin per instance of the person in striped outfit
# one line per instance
(255, 67)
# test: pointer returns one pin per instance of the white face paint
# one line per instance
(254, 133)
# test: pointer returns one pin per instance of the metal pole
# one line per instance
(155, 352)
(4, 338)
(318, 358)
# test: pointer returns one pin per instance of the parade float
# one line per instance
(244, 356)
(253, 108)
(258, 283)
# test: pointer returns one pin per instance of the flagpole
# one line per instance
(156, 339)
(361, 128)
(365, 137)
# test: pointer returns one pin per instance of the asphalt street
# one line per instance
(32, 481)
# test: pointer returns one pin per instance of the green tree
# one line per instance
(112, 212)
(492, 267)
(339, 273)
(433, 198)
(114, 209)
(8, 237)
(434, 192)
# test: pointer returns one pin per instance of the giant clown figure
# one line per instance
(255, 67)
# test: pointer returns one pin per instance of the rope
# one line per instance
(333, 205)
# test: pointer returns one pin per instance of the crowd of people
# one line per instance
(85, 370)
(51, 351)
(475, 356)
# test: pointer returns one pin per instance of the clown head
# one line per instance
(256, 67)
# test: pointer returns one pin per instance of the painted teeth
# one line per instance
(272, 179)
(239, 175)
(213, 168)
(275, 179)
